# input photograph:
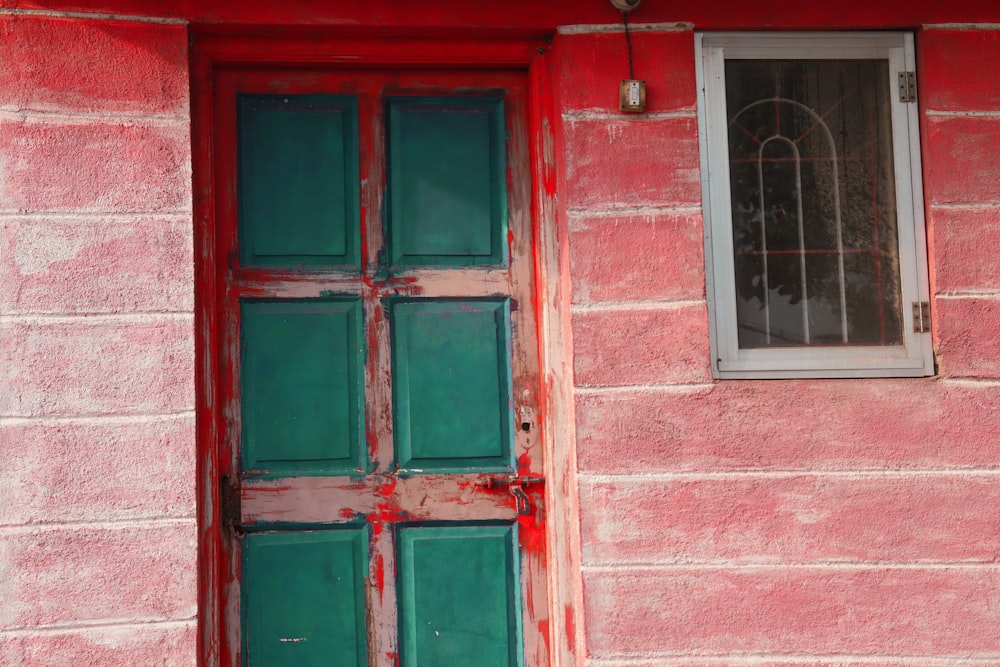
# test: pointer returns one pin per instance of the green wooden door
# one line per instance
(384, 474)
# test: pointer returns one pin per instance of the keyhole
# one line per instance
(525, 426)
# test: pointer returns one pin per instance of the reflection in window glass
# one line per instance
(813, 203)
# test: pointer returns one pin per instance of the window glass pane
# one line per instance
(813, 203)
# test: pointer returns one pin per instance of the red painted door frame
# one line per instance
(210, 52)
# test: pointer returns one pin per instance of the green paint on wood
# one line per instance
(447, 181)
(302, 386)
(459, 587)
(304, 598)
(451, 384)
(299, 180)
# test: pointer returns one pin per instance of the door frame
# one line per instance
(561, 545)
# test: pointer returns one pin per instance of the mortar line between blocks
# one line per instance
(57, 318)
(612, 306)
(585, 390)
(127, 18)
(138, 417)
(726, 659)
(964, 206)
(961, 26)
(92, 213)
(965, 113)
(115, 216)
(986, 294)
(83, 118)
(97, 625)
(854, 566)
(759, 473)
(632, 211)
(110, 524)
(585, 29)
(971, 382)
(585, 114)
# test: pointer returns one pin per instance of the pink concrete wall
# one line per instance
(97, 531)
(784, 522)
(724, 523)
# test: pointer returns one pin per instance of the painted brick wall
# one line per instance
(787, 522)
(97, 529)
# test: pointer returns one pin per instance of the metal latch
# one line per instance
(907, 86)
(921, 316)
(515, 484)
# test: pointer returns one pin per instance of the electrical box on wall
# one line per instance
(632, 96)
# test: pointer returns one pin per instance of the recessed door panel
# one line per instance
(298, 180)
(447, 190)
(452, 384)
(459, 586)
(304, 598)
(302, 391)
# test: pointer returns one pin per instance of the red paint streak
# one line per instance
(531, 527)
(388, 514)
(388, 488)
(570, 625)
(543, 632)
(524, 464)
(348, 513)
(371, 431)
(379, 576)
(531, 534)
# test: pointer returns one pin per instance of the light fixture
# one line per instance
(632, 92)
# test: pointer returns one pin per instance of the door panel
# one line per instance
(298, 179)
(379, 342)
(447, 194)
(302, 388)
(304, 597)
(458, 595)
(451, 384)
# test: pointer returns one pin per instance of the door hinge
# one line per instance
(907, 86)
(230, 509)
(921, 316)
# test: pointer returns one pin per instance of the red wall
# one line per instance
(730, 522)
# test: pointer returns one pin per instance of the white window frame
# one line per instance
(914, 357)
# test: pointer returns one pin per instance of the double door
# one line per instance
(381, 473)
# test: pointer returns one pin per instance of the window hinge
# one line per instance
(907, 86)
(921, 316)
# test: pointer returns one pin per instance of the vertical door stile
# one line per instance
(225, 161)
(381, 589)
(530, 458)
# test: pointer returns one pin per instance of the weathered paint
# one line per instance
(375, 492)
(790, 522)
